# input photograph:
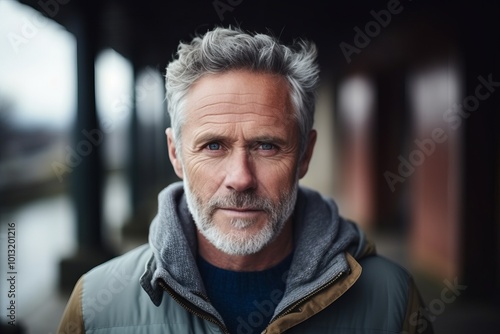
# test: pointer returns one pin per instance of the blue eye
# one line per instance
(213, 146)
(267, 146)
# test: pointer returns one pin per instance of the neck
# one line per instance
(267, 257)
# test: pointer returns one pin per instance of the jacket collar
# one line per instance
(321, 240)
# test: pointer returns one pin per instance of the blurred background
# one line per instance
(407, 115)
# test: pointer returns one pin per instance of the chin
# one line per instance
(239, 242)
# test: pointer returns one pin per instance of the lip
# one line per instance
(244, 212)
(241, 209)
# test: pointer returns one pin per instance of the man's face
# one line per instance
(239, 159)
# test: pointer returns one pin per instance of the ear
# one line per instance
(304, 163)
(173, 154)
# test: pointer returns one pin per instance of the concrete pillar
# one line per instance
(86, 178)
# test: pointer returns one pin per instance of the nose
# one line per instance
(240, 174)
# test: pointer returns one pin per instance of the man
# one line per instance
(239, 247)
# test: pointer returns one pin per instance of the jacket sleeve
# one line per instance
(416, 320)
(72, 319)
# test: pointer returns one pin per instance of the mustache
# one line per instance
(240, 200)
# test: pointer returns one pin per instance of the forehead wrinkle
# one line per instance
(239, 104)
(247, 116)
(229, 98)
(222, 122)
(230, 94)
(223, 97)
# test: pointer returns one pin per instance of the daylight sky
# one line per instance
(38, 70)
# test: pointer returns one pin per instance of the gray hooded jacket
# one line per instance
(336, 283)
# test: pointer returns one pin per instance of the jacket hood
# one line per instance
(321, 239)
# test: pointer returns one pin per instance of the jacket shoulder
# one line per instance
(114, 302)
(378, 270)
(385, 288)
(376, 303)
(391, 293)
(111, 292)
(95, 290)
(133, 263)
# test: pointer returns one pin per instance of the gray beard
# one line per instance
(239, 242)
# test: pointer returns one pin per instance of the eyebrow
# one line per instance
(212, 137)
(209, 137)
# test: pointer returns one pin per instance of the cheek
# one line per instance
(276, 178)
(203, 176)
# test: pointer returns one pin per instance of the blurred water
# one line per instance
(45, 233)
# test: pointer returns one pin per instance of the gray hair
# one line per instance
(224, 49)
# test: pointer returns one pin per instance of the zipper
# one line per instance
(309, 295)
(181, 301)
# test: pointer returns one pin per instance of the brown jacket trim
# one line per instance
(72, 319)
(369, 249)
(318, 302)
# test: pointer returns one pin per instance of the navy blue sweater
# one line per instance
(245, 300)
